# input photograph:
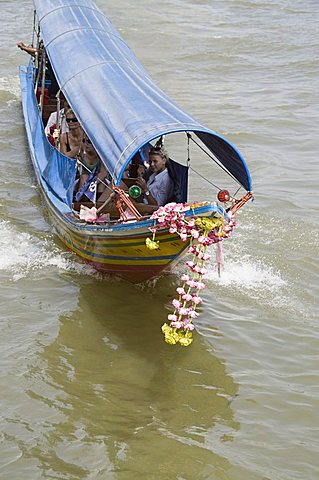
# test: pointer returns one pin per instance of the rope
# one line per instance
(208, 181)
(127, 202)
(212, 157)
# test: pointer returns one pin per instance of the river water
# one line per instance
(89, 390)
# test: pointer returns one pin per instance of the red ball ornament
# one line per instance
(223, 196)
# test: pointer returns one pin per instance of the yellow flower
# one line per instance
(173, 336)
(151, 244)
(186, 339)
(170, 333)
(170, 340)
(166, 328)
(208, 224)
(220, 233)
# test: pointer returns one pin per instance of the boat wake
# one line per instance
(247, 274)
(22, 254)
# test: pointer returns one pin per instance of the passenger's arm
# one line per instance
(149, 197)
(63, 147)
(30, 50)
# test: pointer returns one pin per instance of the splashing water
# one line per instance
(22, 253)
(247, 274)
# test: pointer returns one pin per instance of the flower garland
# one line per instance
(202, 233)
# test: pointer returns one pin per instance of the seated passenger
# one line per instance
(52, 126)
(159, 188)
(93, 170)
(135, 169)
(71, 141)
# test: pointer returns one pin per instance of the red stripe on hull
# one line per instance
(131, 273)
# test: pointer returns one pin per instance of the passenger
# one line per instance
(53, 84)
(135, 169)
(71, 141)
(90, 162)
(159, 188)
(27, 48)
(52, 127)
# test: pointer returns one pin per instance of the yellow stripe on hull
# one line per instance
(121, 251)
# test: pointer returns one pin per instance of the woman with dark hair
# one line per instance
(159, 189)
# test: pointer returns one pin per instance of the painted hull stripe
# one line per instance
(93, 255)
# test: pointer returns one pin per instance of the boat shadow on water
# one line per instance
(125, 399)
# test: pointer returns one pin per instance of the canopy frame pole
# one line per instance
(58, 120)
(33, 29)
(188, 149)
(36, 72)
(43, 80)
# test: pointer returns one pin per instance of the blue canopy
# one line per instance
(116, 101)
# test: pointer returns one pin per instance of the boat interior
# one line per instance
(120, 204)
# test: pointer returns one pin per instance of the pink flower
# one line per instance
(187, 297)
(208, 241)
(173, 229)
(192, 283)
(200, 285)
(184, 277)
(183, 237)
(206, 256)
(177, 324)
(172, 317)
(190, 264)
(180, 290)
(201, 239)
(197, 300)
(193, 314)
(176, 303)
(183, 311)
(194, 233)
(189, 326)
(171, 205)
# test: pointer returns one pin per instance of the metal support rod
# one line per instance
(43, 81)
(58, 120)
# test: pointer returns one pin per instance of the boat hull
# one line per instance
(120, 249)
(122, 254)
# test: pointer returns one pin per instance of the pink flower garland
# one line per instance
(202, 232)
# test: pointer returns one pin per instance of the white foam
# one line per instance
(22, 253)
(11, 84)
(247, 274)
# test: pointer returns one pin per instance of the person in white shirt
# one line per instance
(52, 121)
(159, 189)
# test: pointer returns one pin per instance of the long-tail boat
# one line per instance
(122, 111)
